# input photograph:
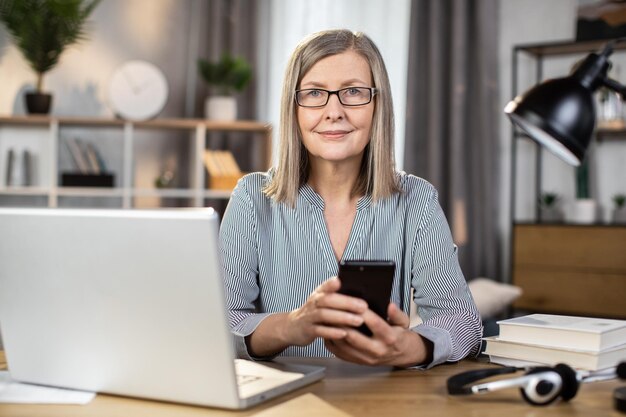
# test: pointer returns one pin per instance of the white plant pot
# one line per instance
(220, 108)
(584, 211)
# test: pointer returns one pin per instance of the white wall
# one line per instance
(524, 22)
(283, 23)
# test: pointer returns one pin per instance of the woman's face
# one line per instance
(336, 132)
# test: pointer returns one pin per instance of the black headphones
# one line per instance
(539, 386)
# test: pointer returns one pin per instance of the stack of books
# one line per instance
(222, 169)
(580, 342)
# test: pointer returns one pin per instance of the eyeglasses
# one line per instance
(349, 96)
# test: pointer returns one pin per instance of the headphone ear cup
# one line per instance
(541, 391)
(570, 381)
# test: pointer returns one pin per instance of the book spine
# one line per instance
(9, 171)
(211, 164)
(27, 166)
(91, 158)
(101, 163)
(230, 163)
(77, 156)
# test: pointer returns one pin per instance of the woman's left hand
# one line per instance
(391, 343)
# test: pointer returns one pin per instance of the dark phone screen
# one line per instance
(369, 280)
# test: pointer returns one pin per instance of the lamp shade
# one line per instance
(559, 114)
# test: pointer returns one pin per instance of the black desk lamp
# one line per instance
(560, 113)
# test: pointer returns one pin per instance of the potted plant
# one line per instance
(549, 210)
(584, 209)
(619, 212)
(224, 77)
(42, 29)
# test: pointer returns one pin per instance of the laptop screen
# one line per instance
(121, 301)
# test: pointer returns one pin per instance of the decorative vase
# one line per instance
(38, 103)
(222, 108)
(584, 211)
(619, 215)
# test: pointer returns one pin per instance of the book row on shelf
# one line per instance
(19, 168)
(543, 339)
(89, 168)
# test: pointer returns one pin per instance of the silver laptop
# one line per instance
(127, 302)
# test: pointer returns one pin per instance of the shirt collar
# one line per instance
(313, 198)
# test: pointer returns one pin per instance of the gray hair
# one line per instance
(377, 176)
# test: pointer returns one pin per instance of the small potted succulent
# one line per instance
(224, 77)
(619, 212)
(549, 210)
(41, 30)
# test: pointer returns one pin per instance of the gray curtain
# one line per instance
(452, 130)
(231, 28)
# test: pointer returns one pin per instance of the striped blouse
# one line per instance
(274, 256)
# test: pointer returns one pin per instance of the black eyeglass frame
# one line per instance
(373, 92)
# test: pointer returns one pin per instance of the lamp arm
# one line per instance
(609, 82)
(615, 86)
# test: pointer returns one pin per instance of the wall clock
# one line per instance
(138, 90)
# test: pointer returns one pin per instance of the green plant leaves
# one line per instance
(227, 74)
(42, 29)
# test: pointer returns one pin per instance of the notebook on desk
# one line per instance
(128, 302)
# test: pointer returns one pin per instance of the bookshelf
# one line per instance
(42, 135)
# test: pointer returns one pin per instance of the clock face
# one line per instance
(138, 91)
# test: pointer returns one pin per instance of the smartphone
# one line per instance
(369, 280)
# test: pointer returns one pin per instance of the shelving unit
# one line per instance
(540, 53)
(564, 268)
(43, 134)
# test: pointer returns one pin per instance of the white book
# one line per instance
(581, 359)
(516, 363)
(583, 333)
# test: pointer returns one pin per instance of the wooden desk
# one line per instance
(359, 391)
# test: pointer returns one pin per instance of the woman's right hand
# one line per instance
(326, 314)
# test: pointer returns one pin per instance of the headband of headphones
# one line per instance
(539, 386)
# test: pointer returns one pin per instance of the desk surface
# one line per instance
(359, 391)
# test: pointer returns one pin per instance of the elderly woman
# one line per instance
(335, 195)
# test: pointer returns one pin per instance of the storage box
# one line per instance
(73, 179)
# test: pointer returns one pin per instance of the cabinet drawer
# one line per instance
(587, 247)
(569, 291)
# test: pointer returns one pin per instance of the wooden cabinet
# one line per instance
(571, 269)
(43, 134)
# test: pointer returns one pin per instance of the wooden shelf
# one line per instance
(183, 124)
(90, 192)
(46, 131)
(34, 191)
(566, 48)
